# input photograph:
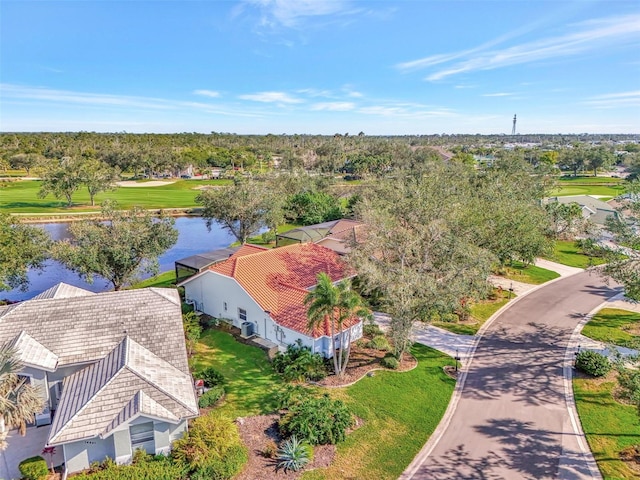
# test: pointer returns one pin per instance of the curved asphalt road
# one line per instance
(512, 419)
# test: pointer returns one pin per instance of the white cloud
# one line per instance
(70, 98)
(615, 100)
(594, 35)
(499, 94)
(314, 92)
(207, 93)
(334, 106)
(271, 97)
(290, 13)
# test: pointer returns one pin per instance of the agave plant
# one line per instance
(294, 454)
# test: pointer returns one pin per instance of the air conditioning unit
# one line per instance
(246, 329)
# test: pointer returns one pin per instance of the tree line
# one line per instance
(341, 153)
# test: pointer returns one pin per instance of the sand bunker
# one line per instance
(153, 183)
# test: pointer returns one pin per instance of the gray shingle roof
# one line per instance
(63, 290)
(128, 381)
(84, 329)
(33, 354)
(140, 404)
(132, 341)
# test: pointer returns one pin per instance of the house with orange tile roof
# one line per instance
(262, 292)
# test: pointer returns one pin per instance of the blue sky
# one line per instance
(320, 67)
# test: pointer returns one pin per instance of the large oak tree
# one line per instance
(118, 246)
(21, 247)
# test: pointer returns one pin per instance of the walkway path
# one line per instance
(512, 418)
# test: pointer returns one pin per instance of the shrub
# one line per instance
(211, 396)
(270, 449)
(222, 468)
(319, 420)
(212, 448)
(371, 330)
(390, 362)
(34, 468)
(629, 383)
(291, 395)
(151, 467)
(449, 317)
(379, 342)
(211, 377)
(593, 363)
(294, 454)
(298, 363)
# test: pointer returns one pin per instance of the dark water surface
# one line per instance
(193, 238)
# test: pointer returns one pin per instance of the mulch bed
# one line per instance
(259, 431)
(361, 362)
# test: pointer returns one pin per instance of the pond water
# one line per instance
(193, 238)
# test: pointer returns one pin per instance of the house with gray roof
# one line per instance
(593, 209)
(112, 368)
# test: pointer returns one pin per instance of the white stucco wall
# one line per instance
(79, 455)
(211, 291)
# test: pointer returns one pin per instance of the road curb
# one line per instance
(567, 371)
(433, 440)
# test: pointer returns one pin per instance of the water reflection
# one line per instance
(193, 238)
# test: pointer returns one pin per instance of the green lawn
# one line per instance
(258, 240)
(566, 253)
(582, 179)
(589, 185)
(400, 411)
(609, 425)
(251, 380)
(527, 274)
(571, 190)
(612, 325)
(163, 280)
(22, 197)
(480, 312)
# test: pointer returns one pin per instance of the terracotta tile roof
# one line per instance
(278, 280)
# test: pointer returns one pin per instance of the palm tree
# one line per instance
(19, 401)
(334, 304)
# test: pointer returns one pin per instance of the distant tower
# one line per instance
(513, 130)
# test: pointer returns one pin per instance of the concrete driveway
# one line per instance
(512, 419)
(24, 447)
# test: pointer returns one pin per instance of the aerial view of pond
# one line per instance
(193, 238)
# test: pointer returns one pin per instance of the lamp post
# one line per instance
(457, 359)
(576, 353)
(511, 291)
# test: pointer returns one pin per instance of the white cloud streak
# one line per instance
(271, 97)
(70, 98)
(594, 35)
(499, 94)
(334, 106)
(290, 13)
(615, 100)
(207, 93)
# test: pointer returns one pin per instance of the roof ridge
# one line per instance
(148, 381)
(92, 397)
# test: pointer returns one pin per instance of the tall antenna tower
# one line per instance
(513, 130)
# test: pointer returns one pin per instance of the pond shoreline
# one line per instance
(95, 215)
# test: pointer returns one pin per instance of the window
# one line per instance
(142, 437)
(224, 305)
(242, 313)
